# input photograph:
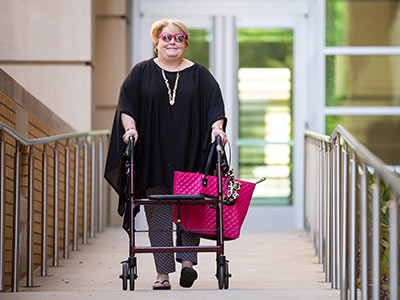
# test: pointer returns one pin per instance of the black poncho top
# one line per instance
(171, 137)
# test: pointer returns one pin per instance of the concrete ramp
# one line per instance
(264, 265)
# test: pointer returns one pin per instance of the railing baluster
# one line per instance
(76, 199)
(338, 210)
(2, 211)
(85, 193)
(31, 184)
(15, 260)
(328, 273)
(320, 203)
(93, 188)
(318, 186)
(364, 232)
(55, 219)
(66, 204)
(345, 218)
(394, 249)
(353, 228)
(333, 216)
(44, 212)
(376, 223)
(325, 203)
(315, 198)
(100, 189)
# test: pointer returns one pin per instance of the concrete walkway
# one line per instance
(264, 265)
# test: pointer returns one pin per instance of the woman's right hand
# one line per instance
(130, 132)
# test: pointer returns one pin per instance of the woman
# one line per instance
(173, 108)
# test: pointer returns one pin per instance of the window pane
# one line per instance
(362, 23)
(381, 135)
(272, 161)
(362, 80)
(199, 46)
(265, 116)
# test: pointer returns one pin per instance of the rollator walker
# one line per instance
(129, 266)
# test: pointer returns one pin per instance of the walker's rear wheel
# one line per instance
(132, 278)
(124, 276)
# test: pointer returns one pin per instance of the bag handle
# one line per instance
(209, 160)
(207, 169)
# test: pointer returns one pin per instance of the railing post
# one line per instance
(100, 188)
(108, 190)
(345, 218)
(376, 237)
(55, 219)
(325, 198)
(2, 211)
(394, 249)
(338, 210)
(320, 202)
(31, 184)
(93, 187)
(85, 193)
(353, 228)
(66, 203)
(328, 255)
(364, 232)
(306, 182)
(317, 200)
(44, 212)
(334, 218)
(15, 263)
(76, 199)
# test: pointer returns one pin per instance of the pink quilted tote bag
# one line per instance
(195, 218)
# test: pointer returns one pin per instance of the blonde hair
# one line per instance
(174, 25)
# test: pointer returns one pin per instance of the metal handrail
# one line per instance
(50, 139)
(95, 139)
(337, 193)
(368, 157)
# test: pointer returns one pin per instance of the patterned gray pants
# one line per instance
(160, 222)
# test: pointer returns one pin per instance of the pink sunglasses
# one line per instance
(167, 37)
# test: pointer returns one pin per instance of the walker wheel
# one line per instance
(124, 276)
(226, 276)
(221, 276)
(132, 278)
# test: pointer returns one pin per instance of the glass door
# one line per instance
(265, 85)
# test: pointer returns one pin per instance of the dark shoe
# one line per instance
(188, 276)
(165, 285)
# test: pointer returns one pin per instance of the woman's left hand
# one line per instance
(218, 131)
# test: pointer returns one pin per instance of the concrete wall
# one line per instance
(110, 68)
(111, 62)
(47, 47)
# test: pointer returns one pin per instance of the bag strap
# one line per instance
(209, 159)
(207, 169)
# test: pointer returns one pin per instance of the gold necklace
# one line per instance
(173, 94)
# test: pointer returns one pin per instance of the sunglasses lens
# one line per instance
(179, 38)
(166, 37)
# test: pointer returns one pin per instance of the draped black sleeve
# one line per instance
(171, 137)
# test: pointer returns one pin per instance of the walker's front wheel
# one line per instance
(124, 276)
(226, 276)
(221, 276)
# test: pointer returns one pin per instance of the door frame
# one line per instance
(288, 216)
